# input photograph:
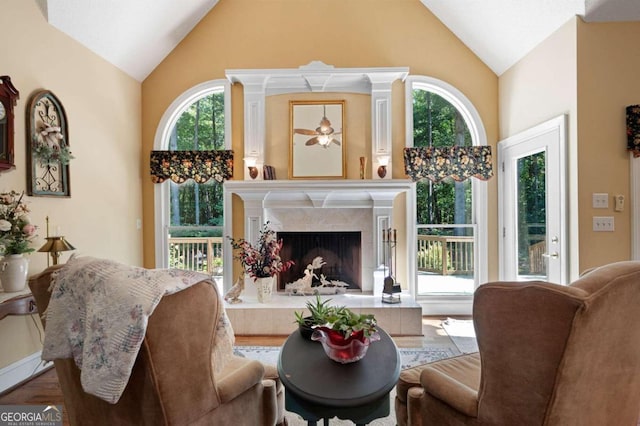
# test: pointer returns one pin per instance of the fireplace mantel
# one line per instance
(320, 193)
(272, 200)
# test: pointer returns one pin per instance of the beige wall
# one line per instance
(588, 71)
(103, 111)
(282, 34)
(542, 86)
(608, 81)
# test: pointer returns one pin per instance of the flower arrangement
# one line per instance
(262, 260)
(16, 229)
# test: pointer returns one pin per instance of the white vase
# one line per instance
(264, 288)
(13, 272)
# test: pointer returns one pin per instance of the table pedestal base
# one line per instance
(361, 415)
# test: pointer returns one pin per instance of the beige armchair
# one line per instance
(548, 355)
(172, 382)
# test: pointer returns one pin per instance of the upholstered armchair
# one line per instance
(173, 380)
(548, 355)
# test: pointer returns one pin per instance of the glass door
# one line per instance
(532, 205)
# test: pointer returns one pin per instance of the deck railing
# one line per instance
(447, 255)
(201, 254)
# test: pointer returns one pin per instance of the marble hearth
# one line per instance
(251, 318)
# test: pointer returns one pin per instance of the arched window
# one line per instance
(189, 216)
(450, 215)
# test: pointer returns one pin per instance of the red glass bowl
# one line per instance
(340, 349)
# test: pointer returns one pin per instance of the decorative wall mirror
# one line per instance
(317, 140)
(48, 153)
(8, 98)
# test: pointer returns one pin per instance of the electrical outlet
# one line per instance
(600, 201)
(603, 224)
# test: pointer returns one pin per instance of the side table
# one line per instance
(318, 388)
(19, 304)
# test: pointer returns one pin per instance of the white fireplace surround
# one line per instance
(319, 206)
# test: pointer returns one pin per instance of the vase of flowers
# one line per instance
(261, 261)
(16, 235)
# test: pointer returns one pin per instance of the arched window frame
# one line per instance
(161, 142)
(478, 137)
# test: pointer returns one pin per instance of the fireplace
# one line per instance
(340, 250)
(363, 207)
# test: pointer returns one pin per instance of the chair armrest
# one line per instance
(238, 376)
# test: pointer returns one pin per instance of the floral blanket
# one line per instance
(98, 315)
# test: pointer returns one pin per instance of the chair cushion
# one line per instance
(410, 377)
(454, 381)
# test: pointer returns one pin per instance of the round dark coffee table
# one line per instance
(318, 388)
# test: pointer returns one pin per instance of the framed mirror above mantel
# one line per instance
(317, 78)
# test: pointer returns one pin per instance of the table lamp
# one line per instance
(55, 245)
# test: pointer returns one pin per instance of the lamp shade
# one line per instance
(56, 244)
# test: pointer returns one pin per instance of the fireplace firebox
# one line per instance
(340, 250)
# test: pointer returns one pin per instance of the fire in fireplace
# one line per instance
(340, 250)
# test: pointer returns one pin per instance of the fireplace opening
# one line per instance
(340, 250)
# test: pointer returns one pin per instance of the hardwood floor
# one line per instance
(45, 389)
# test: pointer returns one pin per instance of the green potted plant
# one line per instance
(318, 310)
(339, 323)
(345, 324)
(346, 335)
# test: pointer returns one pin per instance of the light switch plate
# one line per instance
(603, 224)
(600, 200)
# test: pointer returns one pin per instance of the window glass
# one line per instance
(196, 209)
(444, 209)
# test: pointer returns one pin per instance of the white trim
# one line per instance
(634, 201)
(478, 137)
(22, 370)
(161, 141)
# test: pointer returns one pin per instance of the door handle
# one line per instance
(553, 255)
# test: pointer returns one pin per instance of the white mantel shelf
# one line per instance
(355, 193)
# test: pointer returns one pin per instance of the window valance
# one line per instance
(179, 166)
(456, 162)
(633, 129)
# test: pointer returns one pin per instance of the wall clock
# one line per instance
(8, 99)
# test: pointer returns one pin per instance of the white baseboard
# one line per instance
(446, 305)
(21, 370)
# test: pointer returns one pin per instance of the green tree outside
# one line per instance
(437, 123)
(200, 127)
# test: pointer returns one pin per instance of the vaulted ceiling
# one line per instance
(136, 35)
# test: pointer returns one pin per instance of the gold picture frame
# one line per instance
(317, 135)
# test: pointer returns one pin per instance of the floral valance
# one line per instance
(456, 162)
(633, 129)
(179, 166)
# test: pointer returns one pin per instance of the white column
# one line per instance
(381, 143)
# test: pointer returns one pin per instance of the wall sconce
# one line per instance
(383, 162)
(251, 165)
